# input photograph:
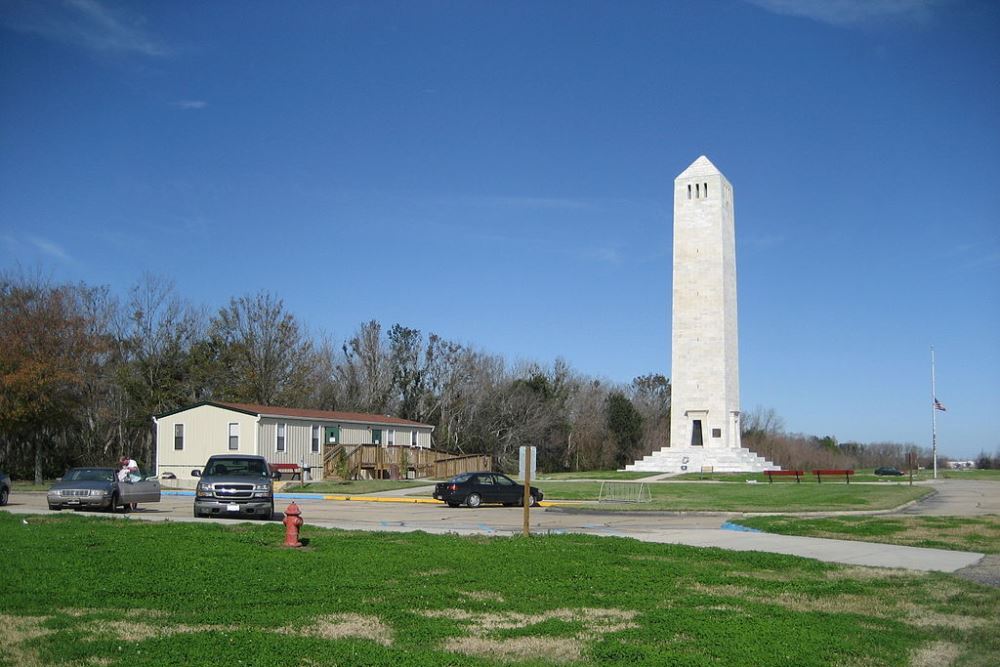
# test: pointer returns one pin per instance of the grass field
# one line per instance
(980, 534)
(865, 475)
(229, 595)
(671, 496)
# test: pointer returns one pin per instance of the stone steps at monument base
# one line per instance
(693, 460)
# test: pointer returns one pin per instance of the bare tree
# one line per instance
(267, 356)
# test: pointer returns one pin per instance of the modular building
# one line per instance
(185, 438)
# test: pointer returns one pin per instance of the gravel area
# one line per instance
(986, 571)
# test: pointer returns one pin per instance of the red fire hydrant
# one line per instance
(292, 521)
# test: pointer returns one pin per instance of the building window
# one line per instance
(178, 436)
(697, 190)
(689, 191)
(705, 189)
(234, 436)
(716, 432)
(390, 437)
(413, 438)
(696, 440)
(315, 439)
(279, 442)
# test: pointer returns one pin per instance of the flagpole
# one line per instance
(933, 415)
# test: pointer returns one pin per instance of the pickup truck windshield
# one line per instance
(236, 467)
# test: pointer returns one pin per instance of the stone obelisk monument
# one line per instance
(704, 358)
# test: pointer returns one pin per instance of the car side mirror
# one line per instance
(196, 473)
(276, 474)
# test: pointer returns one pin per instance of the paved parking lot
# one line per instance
(696, 529)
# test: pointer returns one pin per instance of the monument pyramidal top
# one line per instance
(700, 167)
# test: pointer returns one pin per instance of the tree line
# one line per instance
(83, 370)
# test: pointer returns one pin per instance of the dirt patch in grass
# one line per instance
(479, 626)
(339, 626)
(726, 590)
(860, 572)
(133, 631)
(482, 596)
(938, 654)
(550, 649)
(15, 631)
(922, 617)
(879, 606)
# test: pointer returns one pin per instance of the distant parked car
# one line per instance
(476, 488)
(99, 488)
(4, 488)
(885, 470)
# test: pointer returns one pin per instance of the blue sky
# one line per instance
(500, 173)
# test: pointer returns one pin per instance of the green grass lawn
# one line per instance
(748, 497)
(980, 534)
(861, 475)
(673, 496)
(122, 592)
(353, 487)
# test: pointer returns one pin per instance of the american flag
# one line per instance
(938, 406)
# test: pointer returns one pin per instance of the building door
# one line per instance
(376, 436)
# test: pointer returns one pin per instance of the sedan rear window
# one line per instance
(458, 479)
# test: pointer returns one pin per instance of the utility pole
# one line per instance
(934, 409)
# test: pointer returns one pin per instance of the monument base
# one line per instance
(695, 459)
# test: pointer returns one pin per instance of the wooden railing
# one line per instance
(393, 461)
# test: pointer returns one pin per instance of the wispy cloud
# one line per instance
(49, 248)
(854, 12)
(88, 24)
(602, 255)
(190, 105)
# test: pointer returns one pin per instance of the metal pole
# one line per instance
(528, 451)
(933, 415)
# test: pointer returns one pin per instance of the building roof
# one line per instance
(302, 413)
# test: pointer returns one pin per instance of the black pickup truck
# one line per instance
(235, 485)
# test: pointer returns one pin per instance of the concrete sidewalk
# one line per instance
(847, 552)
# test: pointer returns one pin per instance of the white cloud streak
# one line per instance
(190, 105)
(854, 12)
(87, 24)
(49, 248)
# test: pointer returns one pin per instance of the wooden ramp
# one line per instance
(397, 462)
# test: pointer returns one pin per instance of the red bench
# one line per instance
(819, 474)
(292, 468)
(784, 473)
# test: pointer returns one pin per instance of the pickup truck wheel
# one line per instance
(54, 508)
(4, 494)
(270, 512)
(473, 500)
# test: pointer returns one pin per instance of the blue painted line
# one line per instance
(738, 528)
(483, 526)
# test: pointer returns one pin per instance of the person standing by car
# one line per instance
(129, 472)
